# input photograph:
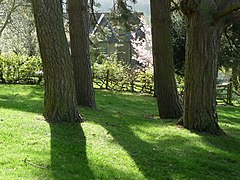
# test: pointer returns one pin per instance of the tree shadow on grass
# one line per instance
(230, 123)
(29, 101)
(172, 156)
(21, 104)
(68, 152)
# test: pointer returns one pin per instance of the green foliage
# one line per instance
(230, 47)
(122, 139)
(19, 35)
(20, 69)
(179, 41)
(110, 73)
(124, 16)
(230, 54)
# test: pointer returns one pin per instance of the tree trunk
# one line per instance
(169, 105)
(202, 47)
(59, 97)
(79, 35)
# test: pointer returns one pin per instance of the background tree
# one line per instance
(79, 36)
(124, 15)
(206, 21)
(59, 97)
(19, 36)
(7, 8)
(169, 105)
(179, 42)
(230, 53)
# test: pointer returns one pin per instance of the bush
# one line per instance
(110, 73)
(17, 69)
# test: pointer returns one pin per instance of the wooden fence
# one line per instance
(225, 93)
(140, 82)
(130, 81)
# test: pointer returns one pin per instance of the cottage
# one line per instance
(111, 38)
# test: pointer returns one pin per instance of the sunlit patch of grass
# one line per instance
(122, 139)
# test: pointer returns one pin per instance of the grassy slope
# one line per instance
(120, 139)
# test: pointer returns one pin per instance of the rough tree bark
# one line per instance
(204, 29)
(59, 97)
(169, 105)
(79, 35)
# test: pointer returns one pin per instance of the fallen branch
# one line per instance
(35, 165)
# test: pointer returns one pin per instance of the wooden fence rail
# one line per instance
(225, 93)
(132, 82)
(140, 83)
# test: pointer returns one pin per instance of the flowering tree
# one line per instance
(143, 45)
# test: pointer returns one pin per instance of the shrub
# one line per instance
(17, 69)
(110, 73)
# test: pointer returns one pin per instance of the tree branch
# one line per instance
(227, 11)
(232, 48)
(235, 17)
(6, 22)
(176, 6)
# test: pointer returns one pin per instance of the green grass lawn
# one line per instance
(122, 139)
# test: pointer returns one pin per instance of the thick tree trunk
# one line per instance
(79, 35)
(202, 47)
(169, 105)
(59, 97)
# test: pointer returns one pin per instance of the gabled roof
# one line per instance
(103, 22)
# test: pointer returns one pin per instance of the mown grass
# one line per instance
(121, 139)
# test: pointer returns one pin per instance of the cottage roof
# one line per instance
(114, 36)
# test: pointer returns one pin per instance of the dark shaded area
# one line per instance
(68, 152)
(179, 42)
